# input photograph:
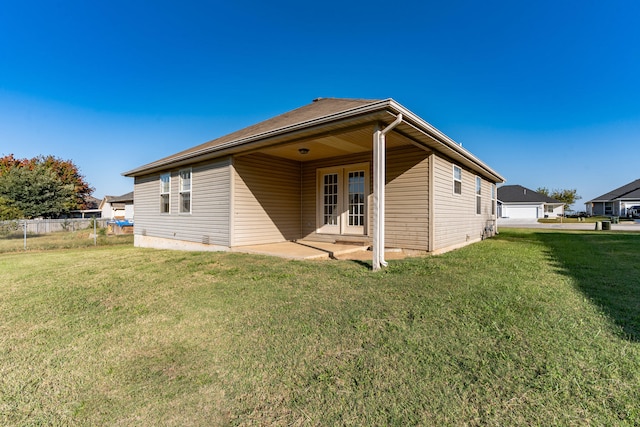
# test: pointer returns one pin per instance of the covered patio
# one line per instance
(308, 250)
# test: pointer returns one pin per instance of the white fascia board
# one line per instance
(366, 109)
(432, 131)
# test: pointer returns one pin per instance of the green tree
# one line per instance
(65, 171)
(35, 189)
(8, 211)
(69, 174)
(42, 186)
(566, 196)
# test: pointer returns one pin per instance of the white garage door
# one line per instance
(520, 211)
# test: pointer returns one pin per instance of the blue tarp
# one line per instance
(122, 222)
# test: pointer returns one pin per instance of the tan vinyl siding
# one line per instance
(456, 221)
(266, 200)
(407, 199)
(208, 221)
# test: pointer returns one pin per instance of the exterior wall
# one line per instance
(615, 208)
(266, 200)
(455, 220)
(208, 222)
(257, 199)
(106, 211)
(128, 211)
(109, 211)
(407, 199)
(557, 211)
(596, 208)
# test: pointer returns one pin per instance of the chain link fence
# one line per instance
(51, 233)
(44, 226)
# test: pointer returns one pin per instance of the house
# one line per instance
(90, 210)
(516, 201)
(335, 170)
(117, 207)
(623, 201)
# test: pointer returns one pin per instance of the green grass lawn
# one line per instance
(530, 328)
(14, 242)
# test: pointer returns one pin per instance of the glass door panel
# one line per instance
(356, 197)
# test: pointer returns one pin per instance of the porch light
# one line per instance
(303, 151)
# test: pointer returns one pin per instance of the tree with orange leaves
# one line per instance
(42, 186)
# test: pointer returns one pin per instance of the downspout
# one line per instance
(379, 178)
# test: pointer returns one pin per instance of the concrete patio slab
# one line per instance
(302, 249)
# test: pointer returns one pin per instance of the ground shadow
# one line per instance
(19, 236)
(365, 264)
(606, 269)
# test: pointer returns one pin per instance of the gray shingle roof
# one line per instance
(520, 194)
(322, 115)
(319, 108)
(128, 197)
(628, 191)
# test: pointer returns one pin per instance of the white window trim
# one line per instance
(494, 207)
(162, 192)
(453, 175)
(478, 195)
(181, 191)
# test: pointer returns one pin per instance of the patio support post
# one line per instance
(379, 180)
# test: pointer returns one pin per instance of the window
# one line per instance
(478, 195)
(185, 191)
(457, 180)
(548, 208)
(493, 199)
(165, 192)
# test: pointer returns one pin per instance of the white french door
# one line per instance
(342, 199)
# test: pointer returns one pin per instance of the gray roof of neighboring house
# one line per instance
(322, 115)
(520, 194)
(128, 197)
(630, 191)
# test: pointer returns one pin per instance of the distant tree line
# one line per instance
(44, 186)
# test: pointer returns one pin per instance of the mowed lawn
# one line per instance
(529, 328)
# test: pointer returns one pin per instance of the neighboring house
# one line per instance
(619, 202)
(367, 171)
(516, 201)
(117, 207)
(91, 210)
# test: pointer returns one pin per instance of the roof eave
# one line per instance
(244, 143)
(455, 149)
(377, 110)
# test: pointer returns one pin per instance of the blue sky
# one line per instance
(547, 92)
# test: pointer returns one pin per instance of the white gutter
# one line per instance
(379, 178)
(191, 154)
(391, 106)
(426, 128)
